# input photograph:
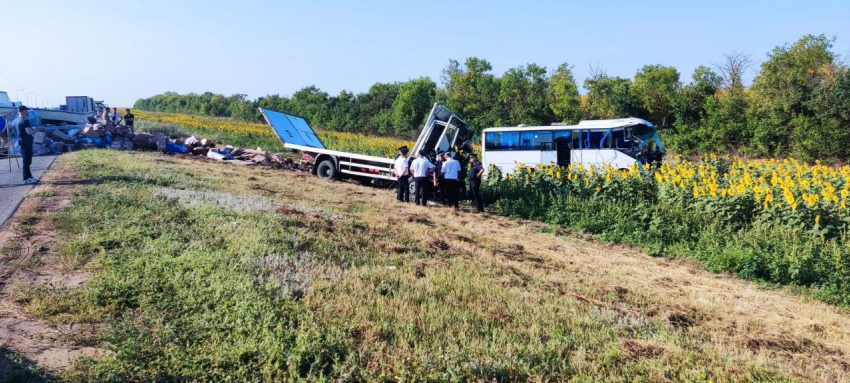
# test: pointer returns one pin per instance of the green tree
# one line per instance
(414, 101)
(564, 98)
(689, 109)
(376, 107)
(473, 92)
(610, 97)
(655, 87)
(784, 90)
(523, 94)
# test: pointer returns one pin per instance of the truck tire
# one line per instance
(326, 170)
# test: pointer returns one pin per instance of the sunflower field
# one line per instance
(777, 221)
(249, 134)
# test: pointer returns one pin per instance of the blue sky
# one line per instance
(123, 50)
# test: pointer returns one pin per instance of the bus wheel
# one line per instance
(326, 170)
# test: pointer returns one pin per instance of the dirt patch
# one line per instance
(420, 218)
(27, 260)
(779, 343)
(681, 319)
(636, 349)
(438, 245)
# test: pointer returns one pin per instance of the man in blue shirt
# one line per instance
(24, 130)
(450, 170)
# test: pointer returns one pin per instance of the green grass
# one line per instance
(771, 254)
(203, 292)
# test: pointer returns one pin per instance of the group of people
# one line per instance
(445, 176)
(114, 118)
(26, 132)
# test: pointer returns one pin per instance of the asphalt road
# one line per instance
(12, 187)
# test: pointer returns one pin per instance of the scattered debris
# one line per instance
(57, 139)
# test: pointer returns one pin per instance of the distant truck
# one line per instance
(82, 104)
(444, 131)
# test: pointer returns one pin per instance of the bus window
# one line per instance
(501, 141)
(536, 140)
(618, 138)
(572, 137)
(593, 139)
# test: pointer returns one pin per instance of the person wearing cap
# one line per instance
(450, 170)
(438, 177)
(420, 169)
(476, 172)
(25, 137)
(402, 174)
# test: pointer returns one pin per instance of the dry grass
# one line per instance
(734, 319)
(502, 289)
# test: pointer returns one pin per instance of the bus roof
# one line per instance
(583, 125)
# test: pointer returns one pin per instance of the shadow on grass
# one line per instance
(16, 368)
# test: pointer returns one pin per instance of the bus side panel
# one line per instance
(549, 157)
(508, 160)
(602, 157)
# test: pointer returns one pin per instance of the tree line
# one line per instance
(798, 103)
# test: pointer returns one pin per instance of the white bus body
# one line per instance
(619, 143)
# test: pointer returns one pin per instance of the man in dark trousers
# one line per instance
(129, 120)
(25, 131)
(402, 174)
(420, 169)
(450, 170)
(439, 185)
(475, 174)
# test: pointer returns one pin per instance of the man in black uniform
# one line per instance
(25, 131)
(475, 174)
(130, 120)
(439, 185)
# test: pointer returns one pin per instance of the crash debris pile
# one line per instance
(61, 138)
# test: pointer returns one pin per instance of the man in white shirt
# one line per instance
(115, 117)
(421, 168)
(402, 174)
(450, 170)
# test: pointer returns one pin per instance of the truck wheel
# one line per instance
(326, 170)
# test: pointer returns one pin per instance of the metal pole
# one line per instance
(28, 98)
(17, 94)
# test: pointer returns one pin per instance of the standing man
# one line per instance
(115, 117)
(421, 168)
(438, 178)
(25, 131)
(400, 172)
(450, 170)
(129, 119)
(475, 174)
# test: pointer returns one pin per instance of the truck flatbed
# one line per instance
(443, 131)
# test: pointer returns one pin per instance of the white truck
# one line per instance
(444, 131)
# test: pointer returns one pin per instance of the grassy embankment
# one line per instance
(211, 272)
